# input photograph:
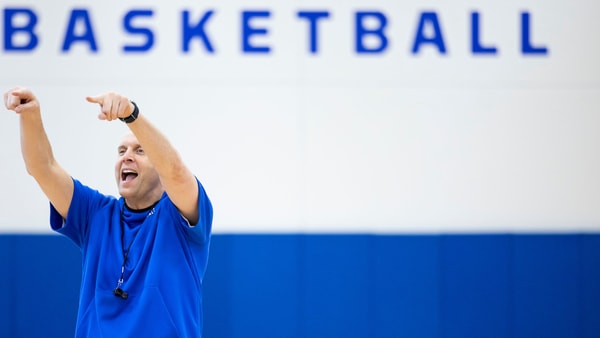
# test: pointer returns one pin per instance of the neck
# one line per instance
(142, 204)
(128, 206)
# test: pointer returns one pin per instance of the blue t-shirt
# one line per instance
(163, 271)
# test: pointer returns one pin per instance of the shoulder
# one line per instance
(90, 199)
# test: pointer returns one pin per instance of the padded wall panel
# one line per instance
(476, 285)
(344, 286)
(547, 299)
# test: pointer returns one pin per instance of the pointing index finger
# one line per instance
(94, 99)
(100, 100)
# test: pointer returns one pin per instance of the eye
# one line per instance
(140, 151)
(121, 151)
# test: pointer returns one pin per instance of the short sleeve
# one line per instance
(84, 203)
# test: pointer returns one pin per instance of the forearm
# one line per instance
(39, 160)
(35, 146)
(176, 178)
(162, 154)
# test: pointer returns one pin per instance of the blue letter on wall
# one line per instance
(128, 26)
(361, 31)
(196, 31)
(248, 31)
(437, 39)
(526, 46)
(79, 15)
(476, 46)
(10, 29)
(312, 19)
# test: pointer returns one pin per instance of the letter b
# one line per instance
(25, 30)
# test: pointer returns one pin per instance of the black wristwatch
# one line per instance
(133, 116)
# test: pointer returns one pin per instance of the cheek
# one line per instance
(154, 177)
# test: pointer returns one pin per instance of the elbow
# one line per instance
(38, 168)
(32, 170)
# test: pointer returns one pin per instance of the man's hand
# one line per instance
(21, 100)
(112, 106)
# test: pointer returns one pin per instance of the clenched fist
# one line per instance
(21, 100)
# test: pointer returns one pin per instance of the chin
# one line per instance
(124, 191)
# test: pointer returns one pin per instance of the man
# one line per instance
(145, 253)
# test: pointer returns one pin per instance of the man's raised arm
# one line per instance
(54, 181)
(177, 180)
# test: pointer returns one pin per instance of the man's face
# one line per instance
(136, 176)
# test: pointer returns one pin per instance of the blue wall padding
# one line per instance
(40, 286)
(476, 286)
(342, 285)
(7, 279)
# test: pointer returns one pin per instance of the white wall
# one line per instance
(336, 141)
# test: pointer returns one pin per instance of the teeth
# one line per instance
(126, 172)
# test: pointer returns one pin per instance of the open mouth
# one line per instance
(128, 175)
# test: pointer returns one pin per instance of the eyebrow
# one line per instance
(135, 146)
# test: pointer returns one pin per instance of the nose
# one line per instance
(128, 156)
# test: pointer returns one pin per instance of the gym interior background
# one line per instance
(377, 168)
